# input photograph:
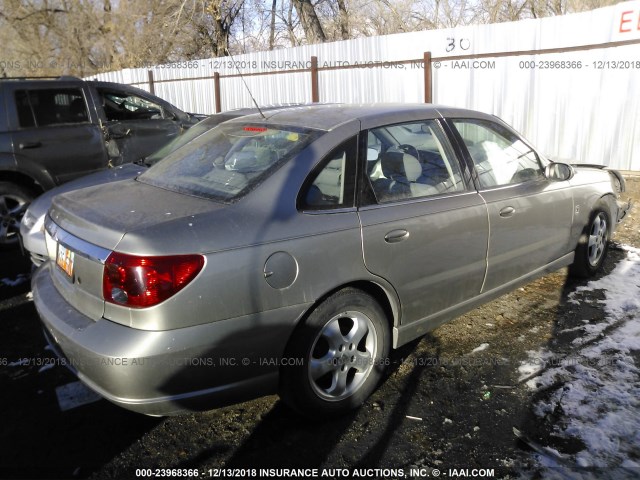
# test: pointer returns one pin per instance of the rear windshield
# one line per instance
(228, 161)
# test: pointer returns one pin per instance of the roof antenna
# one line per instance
(243, 81)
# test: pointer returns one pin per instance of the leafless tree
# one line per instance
(343, 20)
(309, 21)
(82, 37)
(272, 25)
(221, 14)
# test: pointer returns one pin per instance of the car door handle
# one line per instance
(396, 236)
(26, 145)
(507, 212)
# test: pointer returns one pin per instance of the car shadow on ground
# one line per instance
(15, 276)
(38, 439)
(284, 438)
(544, 435)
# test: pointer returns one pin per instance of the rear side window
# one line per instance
(229, 160)
(332, 183)
(119, 106)
(39, 108)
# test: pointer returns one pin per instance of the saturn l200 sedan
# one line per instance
(290, 252)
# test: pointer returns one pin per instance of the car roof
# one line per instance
(330, 116)
(63, 78)
(217, 118)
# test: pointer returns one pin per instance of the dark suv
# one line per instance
(54, 130)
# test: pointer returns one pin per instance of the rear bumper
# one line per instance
(34, 243)
(167, 372)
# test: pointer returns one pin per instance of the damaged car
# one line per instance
(289, 252)
(54, 130)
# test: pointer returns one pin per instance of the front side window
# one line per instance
(51, 107)
(499, 155)
(411, 161)
(119, 106)
(228, 161)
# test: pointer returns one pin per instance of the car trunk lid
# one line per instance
(102, 214)
(85, 226)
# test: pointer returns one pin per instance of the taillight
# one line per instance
(140, 282)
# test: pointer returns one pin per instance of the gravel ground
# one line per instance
(450, 401)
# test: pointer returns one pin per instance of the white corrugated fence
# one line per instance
(571, 84)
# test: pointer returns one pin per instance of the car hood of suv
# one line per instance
(103, 214)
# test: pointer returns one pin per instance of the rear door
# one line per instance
(530, 217)
(136, 125)
(424, 229)
(55, 131)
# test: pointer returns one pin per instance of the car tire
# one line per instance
(593, 245)
(14, 200)
(336, 358)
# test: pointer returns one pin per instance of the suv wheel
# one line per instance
(14, 200)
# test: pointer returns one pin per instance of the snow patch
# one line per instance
(19, 280)
(75, 394)
(24, 361)
(46, 367)
(574, 329)
(483, 346)
(622, 286)
(598, 399)
(536, 363)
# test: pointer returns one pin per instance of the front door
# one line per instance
(530, 217)
(136, 126)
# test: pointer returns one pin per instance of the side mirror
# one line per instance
(559, 172)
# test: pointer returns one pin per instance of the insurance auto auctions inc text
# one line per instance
(375, 473)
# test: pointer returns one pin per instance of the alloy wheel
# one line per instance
(598, 237)
(342, 356)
